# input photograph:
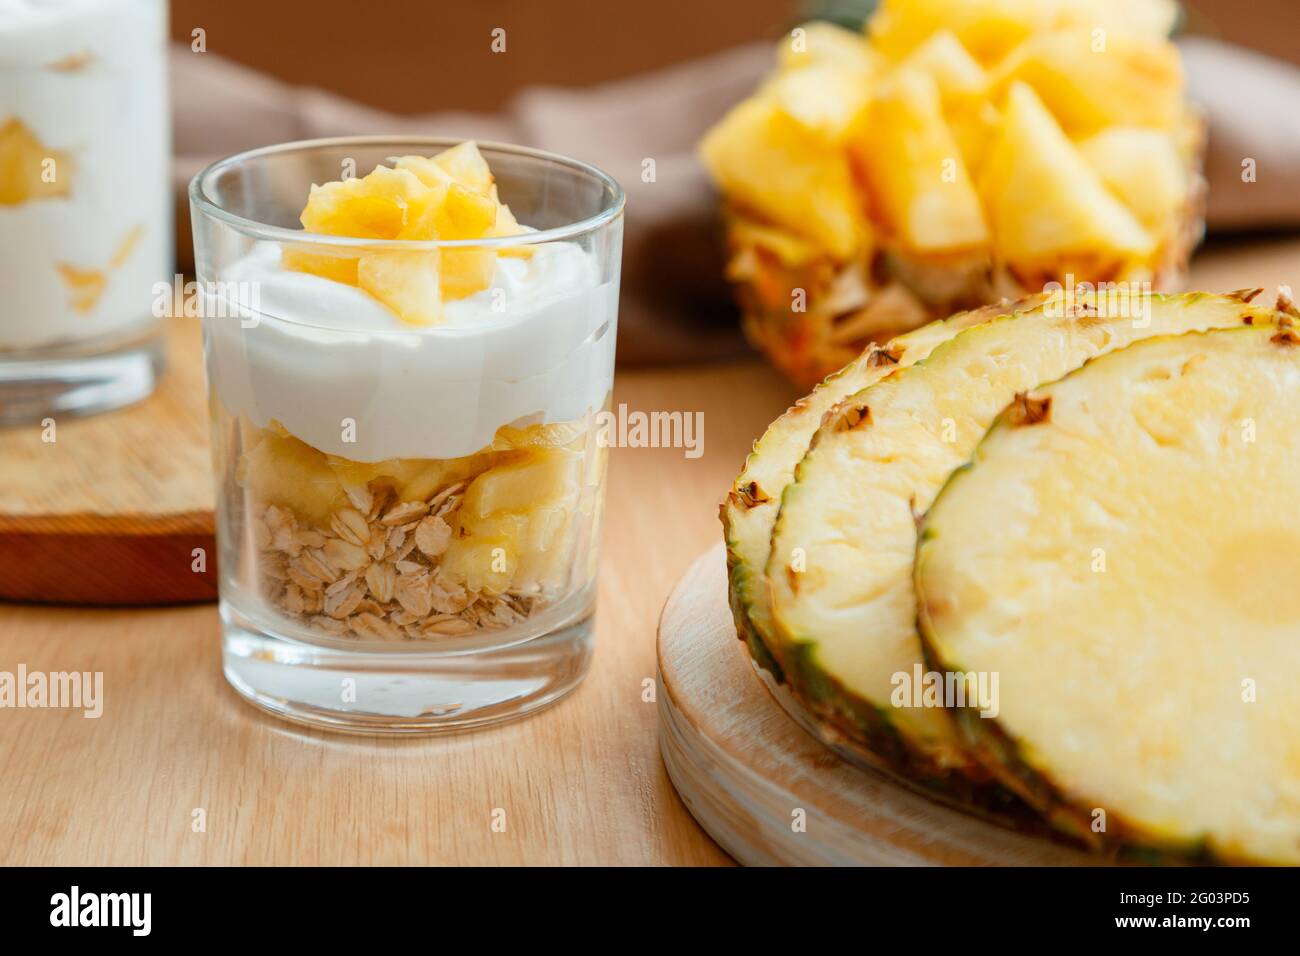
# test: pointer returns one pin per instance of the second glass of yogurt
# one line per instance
(409, 347)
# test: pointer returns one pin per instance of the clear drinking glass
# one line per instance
(407, 516)
(85, 204)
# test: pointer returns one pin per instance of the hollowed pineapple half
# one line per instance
(831, 595)
(1124, 558)
(958, 154)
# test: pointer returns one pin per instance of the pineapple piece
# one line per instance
(1131, 82)
(484, 563)
(23, 159)
(466, 214)
(378, 206)
(537, 478)
(790, 250)
(327, 265)
(1121, 684)
(847, 612)
(825, 98)
(1049, 211)
(823, 42)
(425, 170)
(825, 80)
(767, 161)
(281, 470)
(1146, 19)
(989, 29)
(465, 164)
(914, 170)
(1144, 169)
(508, 225)
(571, 435)
(406, 282)
(955, 72)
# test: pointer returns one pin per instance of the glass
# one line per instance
(85, 205)
(407, 516)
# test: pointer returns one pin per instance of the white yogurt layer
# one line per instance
(88, 79)
(537, 346)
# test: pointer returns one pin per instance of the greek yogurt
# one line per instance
(340, 371)
(83, 101)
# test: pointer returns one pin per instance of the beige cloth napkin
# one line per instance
(675, 305)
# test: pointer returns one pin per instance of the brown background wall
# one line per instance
(412, 57)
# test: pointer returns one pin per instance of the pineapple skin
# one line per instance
(992, 745)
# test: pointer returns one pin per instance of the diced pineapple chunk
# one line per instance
(375, 207)
(281, 470)
(1090, 82)
(465, 164)
(914, 169)
(406, 282)
(954, 71)
(28, 168)
(541, 477)
(1049, 209)
(1143, 168)
(822, 42)
(989, 29)
(765, 159)
(485, 563)
(425, 170)
(339, 268)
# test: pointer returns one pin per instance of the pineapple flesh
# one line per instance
(1125, 559)
(958, 153)
(840, 569)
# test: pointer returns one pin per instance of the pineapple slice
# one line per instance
(1130, 82)
(1050, 212)
(1125, 565)
(24, 161)
(840, 570)
(769, 162)
(750, 509)
(916, 177)
(1144, 169)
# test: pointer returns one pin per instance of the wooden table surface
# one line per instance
(580, 783)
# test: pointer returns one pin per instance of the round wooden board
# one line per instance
(744, 766)
(112, 510)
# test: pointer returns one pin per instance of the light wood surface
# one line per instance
(766, 789)
(580, 783)
(109, 509)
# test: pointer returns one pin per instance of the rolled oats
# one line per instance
(373, 572)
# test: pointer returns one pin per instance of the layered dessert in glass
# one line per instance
(85, 203)
(404, 401)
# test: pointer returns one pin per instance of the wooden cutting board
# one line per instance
(114, 508)
(768, 791)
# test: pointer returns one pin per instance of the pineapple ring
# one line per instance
(1121, 683)
(843, 608)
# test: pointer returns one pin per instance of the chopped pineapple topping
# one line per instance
(450, 196)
